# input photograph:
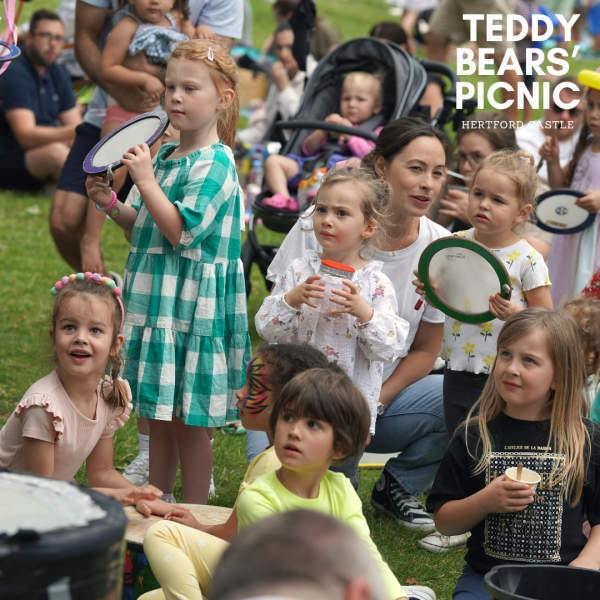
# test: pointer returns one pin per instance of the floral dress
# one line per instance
(358, 348)
(186, 329)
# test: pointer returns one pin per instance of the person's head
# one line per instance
(350, 215)
(151, 11)
(268, 371)
(45, 39)
(283, 43)
(388, 31)
(298, 554)
(411, 156)
(503, 191)
(320, 416)
(586, 312)
(539, 373)
(471, 147)
(571, 118)
(284, 9)
(202, 89)
(362, 96)
(86, 323)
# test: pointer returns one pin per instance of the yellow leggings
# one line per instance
(182, 560)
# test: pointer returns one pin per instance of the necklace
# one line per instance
(406, 238)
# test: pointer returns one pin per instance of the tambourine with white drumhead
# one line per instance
(460, 275)
(58, 540)
(557, 212)
(106, 155)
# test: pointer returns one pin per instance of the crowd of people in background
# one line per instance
(170, 339)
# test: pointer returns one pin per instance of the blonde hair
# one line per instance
(378, 77)
(115, 394)
(375, 195)
(568, 432)
(519, 167)
(586, 313)
(224, 74)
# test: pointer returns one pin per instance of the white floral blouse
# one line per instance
(358, 348)
(472, 347)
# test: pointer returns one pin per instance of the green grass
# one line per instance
(30, 265)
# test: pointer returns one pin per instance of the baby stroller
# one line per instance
(405, 79)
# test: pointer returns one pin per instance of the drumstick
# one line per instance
(554, 134)
(418, 304)
(519, 471)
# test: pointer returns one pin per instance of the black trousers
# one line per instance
(461, 391)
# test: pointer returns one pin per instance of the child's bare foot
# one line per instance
(91, 257)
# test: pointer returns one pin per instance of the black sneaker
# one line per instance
(390, 497)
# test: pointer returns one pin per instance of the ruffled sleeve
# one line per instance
(50, 405)
(117, 416)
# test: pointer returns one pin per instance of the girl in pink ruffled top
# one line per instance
(70, 416)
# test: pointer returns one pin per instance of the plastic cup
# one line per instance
(528, 477)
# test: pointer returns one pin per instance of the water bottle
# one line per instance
(332, 274)
(256, 173)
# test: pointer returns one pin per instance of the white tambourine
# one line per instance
(558, 213)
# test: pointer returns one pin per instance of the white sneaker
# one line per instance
(436, 542)
(419, 591)
(212, 492)
(138, 470)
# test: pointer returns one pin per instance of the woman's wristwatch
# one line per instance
(380, 408)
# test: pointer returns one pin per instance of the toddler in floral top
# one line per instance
(349, 219)
(502, 196)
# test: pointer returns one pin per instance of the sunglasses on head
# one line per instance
(573, 112)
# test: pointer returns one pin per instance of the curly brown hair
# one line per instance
(586, 313)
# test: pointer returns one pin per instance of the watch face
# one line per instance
(380, 408)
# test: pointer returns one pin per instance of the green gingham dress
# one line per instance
(186, 330)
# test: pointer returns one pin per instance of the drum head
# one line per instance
(8, 52)
(557, 212)
(460, 275)
(146, 128)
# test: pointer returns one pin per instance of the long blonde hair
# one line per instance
(568, 432)
(224, 74)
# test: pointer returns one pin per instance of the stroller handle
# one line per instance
(366, 135)
(432, 66)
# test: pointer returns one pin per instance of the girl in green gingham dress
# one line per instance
(186, 333)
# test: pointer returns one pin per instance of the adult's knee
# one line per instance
(67, 215)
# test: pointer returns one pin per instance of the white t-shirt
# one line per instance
(530, 138)
(472, 347)
(398, 266)
(224, 17)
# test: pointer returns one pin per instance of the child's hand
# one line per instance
(182, 516)
(501, 308)
(154, 86)
(502, 496)
(139, 162)
(353, 303)
(102, 196)
(127, 496)
(302, 293)
(549, 150)
(156, 506)
(590, 202)
(204, 32)
(418, 283)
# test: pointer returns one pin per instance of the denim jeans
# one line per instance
(414, 425)
(470, 586)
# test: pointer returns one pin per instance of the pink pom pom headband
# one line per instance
(94, 278)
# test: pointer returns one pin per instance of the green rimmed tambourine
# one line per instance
(460, 275)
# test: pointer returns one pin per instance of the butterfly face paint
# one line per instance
(255, 402)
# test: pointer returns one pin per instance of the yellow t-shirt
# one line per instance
(265, 462)
(337, 498)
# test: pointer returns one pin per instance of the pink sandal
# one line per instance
(276, 201)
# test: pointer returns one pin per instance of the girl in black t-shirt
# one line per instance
(530, 412)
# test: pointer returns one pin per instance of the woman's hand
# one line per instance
(501, 308)
(156, 506)
(590, 202)
(138, 161)
(353, 303)
(182, 516)
(99, 194)
(503, 496)
(302, 293)
(418, 283)
(549, 151)
(455, 205)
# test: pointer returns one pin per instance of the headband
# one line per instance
(94, 278)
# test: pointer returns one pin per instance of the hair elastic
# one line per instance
(94, 278)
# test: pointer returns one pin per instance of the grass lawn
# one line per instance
(30, 264)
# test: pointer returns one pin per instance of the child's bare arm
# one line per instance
(589, 557)
(549, 151)
(183, 23)
(314, 141)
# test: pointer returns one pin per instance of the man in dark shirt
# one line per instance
(36, 93)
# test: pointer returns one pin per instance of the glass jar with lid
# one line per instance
(332, 274)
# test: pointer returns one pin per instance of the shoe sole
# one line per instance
(412, 526)
(439, 549)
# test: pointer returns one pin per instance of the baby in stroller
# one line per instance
(361, 100)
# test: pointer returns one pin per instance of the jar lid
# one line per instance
(338, 266)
